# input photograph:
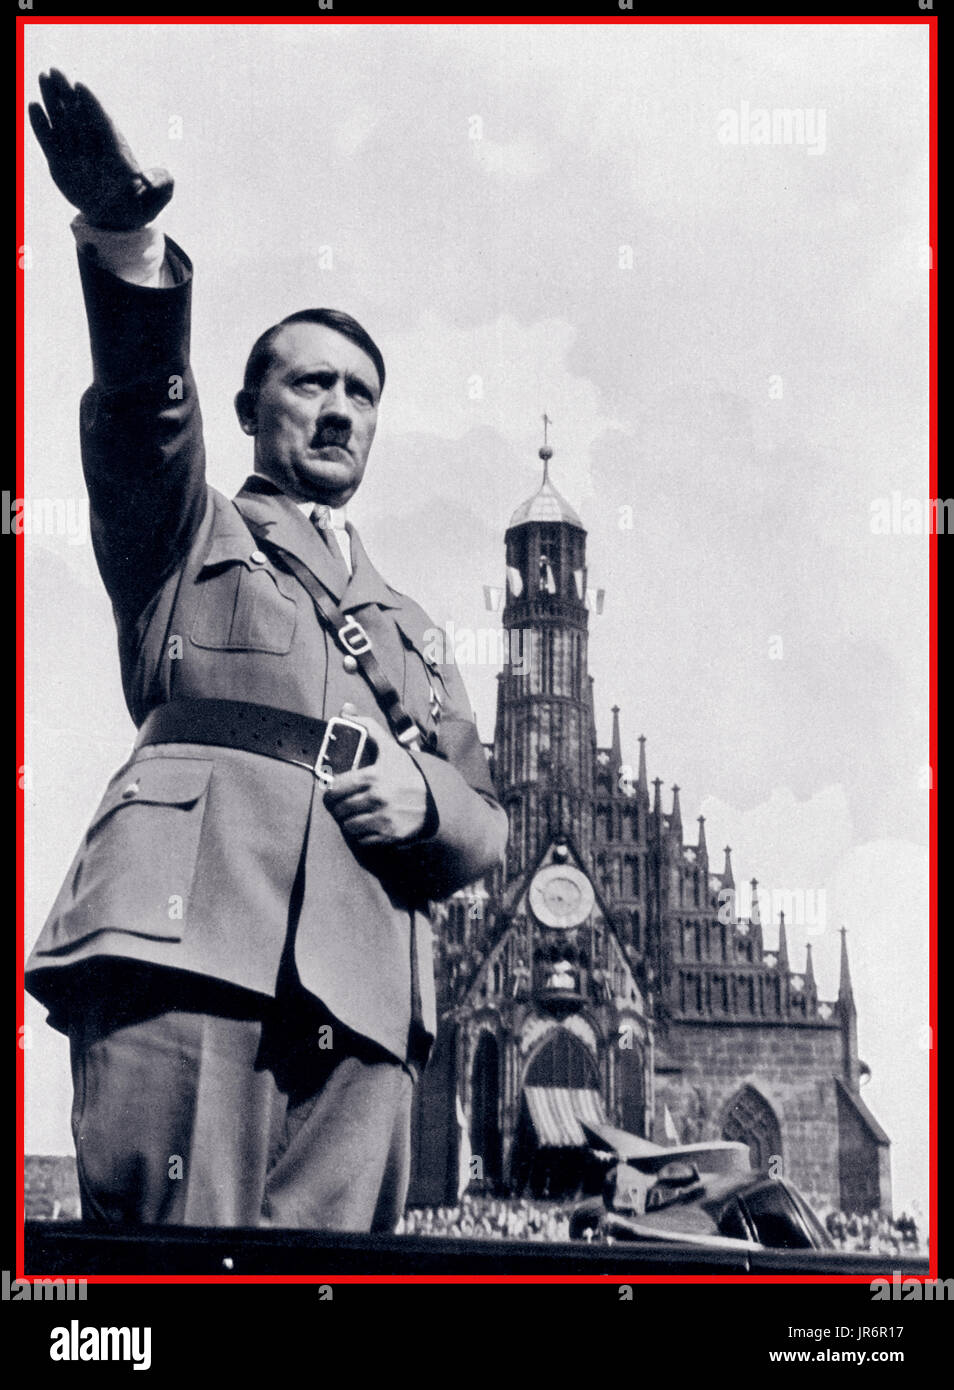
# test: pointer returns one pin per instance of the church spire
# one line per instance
(616, 754)
(846, 995)
(810, 987)
(546, 453)
(727, 880)
(849, 1021)
(755, 912)
(755, 917)
(782, 946)
(657, 798)
(642, 782)
(701, 848)
(547, 505)
(675, 820)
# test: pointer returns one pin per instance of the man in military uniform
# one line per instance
(240, 952)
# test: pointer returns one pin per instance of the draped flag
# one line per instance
(463, 1150)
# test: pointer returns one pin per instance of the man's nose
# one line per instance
(333, 419)
(336, 401)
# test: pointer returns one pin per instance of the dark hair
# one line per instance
(261, 357)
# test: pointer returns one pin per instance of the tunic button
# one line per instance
(130, 791)
(349, 663)
(258, 557)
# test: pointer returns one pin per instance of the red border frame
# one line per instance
(931, 21)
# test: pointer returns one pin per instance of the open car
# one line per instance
(704, 1194)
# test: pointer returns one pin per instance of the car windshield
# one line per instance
(821, 1237)
(732, 1223)
(778, 1222)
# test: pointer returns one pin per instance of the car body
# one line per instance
(720, 1211)
(698, 1193)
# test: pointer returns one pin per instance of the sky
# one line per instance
(729, 334)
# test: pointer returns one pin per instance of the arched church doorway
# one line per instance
(552, 1155)
(563, 1061)
(752, 1120)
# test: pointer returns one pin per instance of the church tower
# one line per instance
(611, 975)
(544, 744)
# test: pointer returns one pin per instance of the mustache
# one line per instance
(331, 432)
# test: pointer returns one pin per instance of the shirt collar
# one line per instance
(258, 482)
(338, 515)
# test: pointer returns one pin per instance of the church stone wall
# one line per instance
(793, 1069)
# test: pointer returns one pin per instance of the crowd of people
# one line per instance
(479, 1217)
(489, 1218)
(875, 1232)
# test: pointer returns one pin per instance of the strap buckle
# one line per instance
(325, 759)
(353, 637)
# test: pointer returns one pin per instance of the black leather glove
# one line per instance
(89, 160)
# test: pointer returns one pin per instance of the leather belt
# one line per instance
(320, 745)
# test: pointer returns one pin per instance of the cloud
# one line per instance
(502, 375)
(520, 159)
(356, 128)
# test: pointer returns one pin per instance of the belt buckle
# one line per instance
(353, 637)
(320, 768)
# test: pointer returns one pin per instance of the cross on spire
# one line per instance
(546, 453)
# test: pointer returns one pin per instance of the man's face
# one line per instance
(316, 414)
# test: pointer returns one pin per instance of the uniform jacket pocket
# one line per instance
(243, 604)
(135, 868)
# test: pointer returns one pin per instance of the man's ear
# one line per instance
(245, 410)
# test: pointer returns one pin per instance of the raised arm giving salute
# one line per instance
(240, 951)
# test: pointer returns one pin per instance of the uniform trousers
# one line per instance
(197, 1104)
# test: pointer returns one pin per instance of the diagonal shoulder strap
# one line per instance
(352, 637)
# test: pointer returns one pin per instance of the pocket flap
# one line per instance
(236, 547)
(228, 546)
(156, 782)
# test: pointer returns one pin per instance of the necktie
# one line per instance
(320, 518)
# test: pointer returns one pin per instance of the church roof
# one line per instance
(864, 1114)
(546, 504)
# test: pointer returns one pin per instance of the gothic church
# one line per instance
(600, 977)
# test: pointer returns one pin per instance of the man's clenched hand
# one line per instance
(89, 160)
(384, 803)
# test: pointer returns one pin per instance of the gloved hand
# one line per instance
(89, 160)
(382, 804)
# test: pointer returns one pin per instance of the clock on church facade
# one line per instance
(593, 981)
